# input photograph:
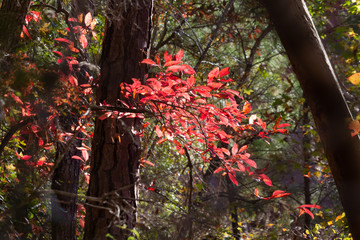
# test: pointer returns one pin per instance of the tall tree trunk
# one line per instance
(65, 180)
(322, 92)
(66, 175)
(116, 146)
(12, 18)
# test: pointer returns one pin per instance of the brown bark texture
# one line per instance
(116, 144)
(66, 175)
(65, 180)
(323, 94)
(12, 18)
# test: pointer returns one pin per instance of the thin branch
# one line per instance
(214, 33)
(11, 132)
(250, 61)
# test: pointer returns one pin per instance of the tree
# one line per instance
(116, 145)
(323, 94)
(12, 19)
(65, 179)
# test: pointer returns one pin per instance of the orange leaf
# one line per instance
(147, 162)
(354, 126)
(246, 108)
(88, 19)
(83, 41)
(355, 79)
(256, 192)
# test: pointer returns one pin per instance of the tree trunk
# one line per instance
(116, 144)
(12, 18)
(322, 92)
(65, 180)
(66, 174)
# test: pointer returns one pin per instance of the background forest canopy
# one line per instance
(172, 119)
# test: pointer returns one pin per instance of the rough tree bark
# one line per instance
(66, 175)
(116, 145)
(12, 18)
(322, 92)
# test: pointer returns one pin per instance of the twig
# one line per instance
(214, 33)
(11, 132)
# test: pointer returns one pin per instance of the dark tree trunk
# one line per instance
(66, 175)
(12, 18)
(65, 180)
(116, 146)
(322, 92)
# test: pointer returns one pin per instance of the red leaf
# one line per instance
(58, 53)
(40, 142)
(283, 125)
(26, 157)
(250, 162)
(278, 194)
(83, 41)
(241, 166)
(236, 93)
(203, 91)
(72, 19)
(104, 116)
(26, 31)
(16, 98)
(64, 40)
(41, 161)
(233, 179)
(158, 132)
(161, 141)
(219, 170)
(305, 210)
(87, 177)
(265, 179)
(171, 63)
(147, 162)
(310, 206)
(179, 55)
(150, 189)
(256, 192)
(243, 148)
(148, 61)
(224, 72)
(85, 155)
(234, 149)
(167, 57)
(77, 158)
(213, 73)
(277, 122)
(281, 130)
(226, 151)
(188, 70)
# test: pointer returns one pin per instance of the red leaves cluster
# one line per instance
(197, 117)
(304, 209)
